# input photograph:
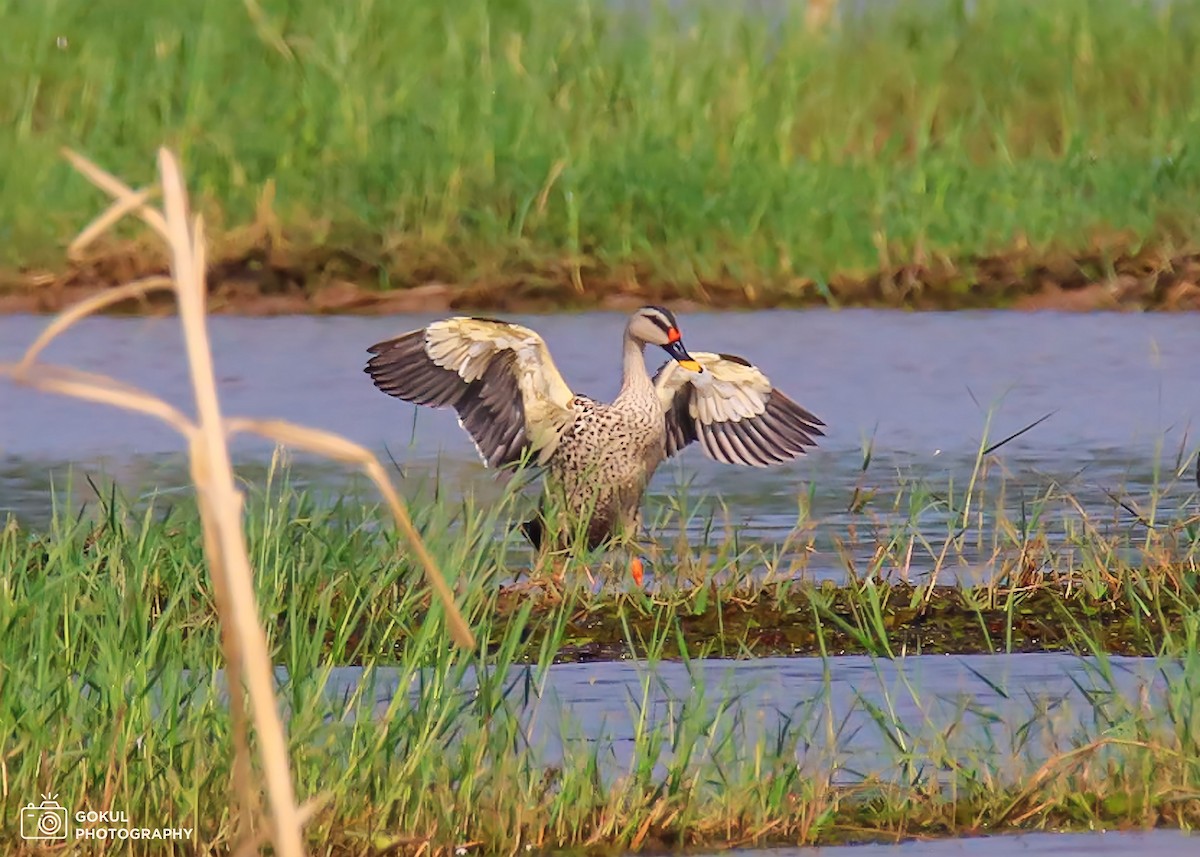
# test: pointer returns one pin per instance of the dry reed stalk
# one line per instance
(243, 638)
(818, 14)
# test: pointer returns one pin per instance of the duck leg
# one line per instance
(637, 564)
(535, 531)
(598, 533)
(637, 570)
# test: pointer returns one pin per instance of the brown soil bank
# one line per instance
(260, 276)
(806, 621)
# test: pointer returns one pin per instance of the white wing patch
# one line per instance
(467, 345)
(498, 376)
(733, 411)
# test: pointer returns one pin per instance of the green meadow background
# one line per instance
(540, 140)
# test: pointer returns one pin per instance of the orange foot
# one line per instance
(637, 569)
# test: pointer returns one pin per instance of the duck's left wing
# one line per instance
(732, 410)
(498, 376)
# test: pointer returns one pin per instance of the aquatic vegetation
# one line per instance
(438, 748)
(1053, 582)
(551, 156)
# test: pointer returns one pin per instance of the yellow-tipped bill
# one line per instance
(679, 354)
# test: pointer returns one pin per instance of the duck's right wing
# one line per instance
(498, 376)
(734, 411)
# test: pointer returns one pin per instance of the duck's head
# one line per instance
(655, 325)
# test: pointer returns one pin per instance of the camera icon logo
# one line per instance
(45, 821)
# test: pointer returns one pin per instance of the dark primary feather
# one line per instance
(490, 408)
(781, 433)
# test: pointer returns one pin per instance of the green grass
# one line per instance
(109, 666)
(510, 141)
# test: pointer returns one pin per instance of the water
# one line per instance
(917, 388)
(1167, 843)
(999, 717)
(1006, 712)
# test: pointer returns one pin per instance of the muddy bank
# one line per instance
(808, 621)
(805, 622)
(261, 275)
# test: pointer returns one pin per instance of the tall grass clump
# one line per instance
(421, 748)
(206, 435)
(586, 144)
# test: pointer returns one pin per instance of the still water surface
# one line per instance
(995, 716)
(1162, 843)
(1006, 712)
(918, 388)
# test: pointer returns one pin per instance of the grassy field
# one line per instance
(109, 646)
(512, 153)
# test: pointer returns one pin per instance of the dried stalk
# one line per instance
(244, 640)
(818, 14)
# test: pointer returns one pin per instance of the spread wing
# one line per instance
(498, 376)
(733, 411)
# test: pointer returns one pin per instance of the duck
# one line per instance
(597, 457)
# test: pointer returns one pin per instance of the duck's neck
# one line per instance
(636, 379)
